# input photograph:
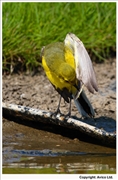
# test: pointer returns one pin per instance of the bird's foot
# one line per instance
(67, 116)
(56, 113)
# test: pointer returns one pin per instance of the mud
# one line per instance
(36, 92)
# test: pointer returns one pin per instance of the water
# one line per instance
(57, 161)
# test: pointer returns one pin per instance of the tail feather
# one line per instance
(84, 106)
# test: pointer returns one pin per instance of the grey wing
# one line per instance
(84, 68)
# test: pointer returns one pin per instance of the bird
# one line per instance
(69, 68)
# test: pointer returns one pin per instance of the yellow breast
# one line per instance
(69, 57)
(54, 79)
(51, 60)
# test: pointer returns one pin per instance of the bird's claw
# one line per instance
(67, 116)
(54, 114)
(58, 113)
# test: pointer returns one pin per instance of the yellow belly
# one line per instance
(55, 80)
(56, 54)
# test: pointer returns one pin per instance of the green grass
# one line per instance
(26, 27)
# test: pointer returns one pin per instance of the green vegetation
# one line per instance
(29, 171)
(26, 27)
(51, 171)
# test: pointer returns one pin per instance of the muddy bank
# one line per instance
(36, 92)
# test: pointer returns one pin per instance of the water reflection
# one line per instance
(62, 163)
(65, 168)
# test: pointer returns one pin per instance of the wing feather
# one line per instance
(84, 68)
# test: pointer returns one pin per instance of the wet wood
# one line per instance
(105, 131)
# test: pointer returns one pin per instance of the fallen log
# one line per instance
(99, 129)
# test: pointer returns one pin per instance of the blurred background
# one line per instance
(26, 27)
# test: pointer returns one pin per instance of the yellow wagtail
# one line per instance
(68, 67)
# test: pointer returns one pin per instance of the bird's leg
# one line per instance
(69, 113)
(58, 108)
